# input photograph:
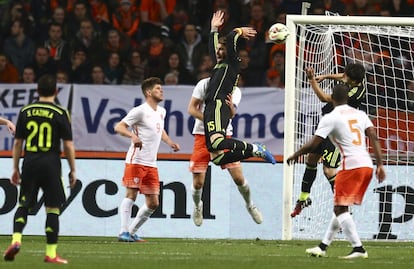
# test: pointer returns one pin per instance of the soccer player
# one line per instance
(10, 126)
(42, 125)
(348, 128)
(222, 83)
(201, 157)
(144, 125)
(353, 77)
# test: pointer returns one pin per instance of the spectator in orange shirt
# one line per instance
(273, 79)
(154, 12)
(156, 52)
(277, 58)
(8, 73)
(67, 5)
(99, 13)
(126, 19)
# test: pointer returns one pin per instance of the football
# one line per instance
(278, 33)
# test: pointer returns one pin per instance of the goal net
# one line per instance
(385, 47)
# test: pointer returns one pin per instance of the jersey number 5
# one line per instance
(356, 131)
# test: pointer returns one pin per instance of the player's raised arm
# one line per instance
(217, 20)
(323, 96)
(246, 32)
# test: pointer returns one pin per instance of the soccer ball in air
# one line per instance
(278, 33)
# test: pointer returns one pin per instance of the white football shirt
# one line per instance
(346, 127)
(199, 93)
(148, 125)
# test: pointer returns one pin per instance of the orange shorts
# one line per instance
(351, 185)
(201, 156)
(144, 178)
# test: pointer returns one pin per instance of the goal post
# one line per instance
(384, 45)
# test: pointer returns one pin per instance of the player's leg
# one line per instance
(349, 194)
(320, 250)
(149, 185)
(197, 191)
(307, 180)
(330, 175)
(237, 150)
(216, 119)
(125, 208)
(349, 228)
(331, 159)
(54, 195)
(236, 173)
(28, 190)
(144, 213)
(19, 222)
(198, 166)
(52, 234)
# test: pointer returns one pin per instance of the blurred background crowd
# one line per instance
(125, 41)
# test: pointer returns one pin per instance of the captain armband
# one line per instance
(239, 31)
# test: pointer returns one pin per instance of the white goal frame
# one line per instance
(292, 80)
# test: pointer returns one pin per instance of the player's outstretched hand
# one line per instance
(310, 73)
(217, 20)
(248, 32)
(291, 160)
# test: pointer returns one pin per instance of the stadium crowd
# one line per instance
(125, 41)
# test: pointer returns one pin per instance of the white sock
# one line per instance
(245, 192)
(348, 226)
(333, 229)
(125, 212)
(196, 195)
(142, 216)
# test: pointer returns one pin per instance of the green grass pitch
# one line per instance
(160, 253)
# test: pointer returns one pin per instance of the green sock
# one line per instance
(51, 250)
(303, 196)
(16, 237)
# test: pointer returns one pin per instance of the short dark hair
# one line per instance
(340, 93)
(55, 24)
(355, 72)
(46, 85)
(222, 40)
(149, 83)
